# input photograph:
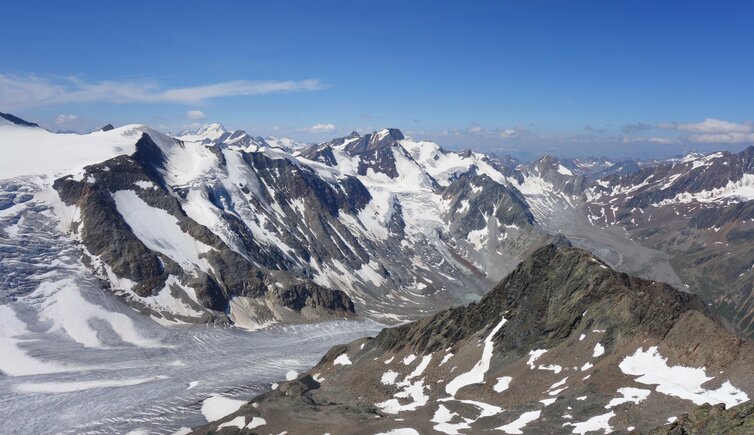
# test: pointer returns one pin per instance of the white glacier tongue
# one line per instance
(65, 342)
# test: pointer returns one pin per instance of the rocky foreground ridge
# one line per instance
(562, 344)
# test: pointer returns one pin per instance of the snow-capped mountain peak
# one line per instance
(209, 133)
(285, 143)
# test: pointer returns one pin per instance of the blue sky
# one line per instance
(619, 78)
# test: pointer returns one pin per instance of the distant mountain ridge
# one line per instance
(402, 226)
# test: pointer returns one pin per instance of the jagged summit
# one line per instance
(369, 142)
(562, 344)
(207, 133)
(211, 128)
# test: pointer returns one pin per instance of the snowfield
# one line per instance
(61, 154)
(197, 374)
(89, 363)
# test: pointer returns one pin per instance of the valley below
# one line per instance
(215, 281)
(162, 388)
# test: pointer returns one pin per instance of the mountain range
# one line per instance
(563, 344)
(222, 226)
(621, 291)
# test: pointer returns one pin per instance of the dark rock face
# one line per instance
(374, 141)
(718, 217)
(16, 120)
(106, 235)
(548, 168)
(376, 152)
(300, 296)
(546, 298)
(708, 419)
(689, 208)
(104, 232)
(693, 175)
(507, 205)
(561, 306)
(289, 182)
(322, 154)
(108, 127)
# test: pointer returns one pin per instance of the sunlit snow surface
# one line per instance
(76, 359)
(121, 388)
(679, 381)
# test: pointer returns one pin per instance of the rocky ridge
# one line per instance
(562, 344)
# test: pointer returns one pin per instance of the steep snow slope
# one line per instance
(187, 213)
(402, 226)
(88, 362)
(35, 151)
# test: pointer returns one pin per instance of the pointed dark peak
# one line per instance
(240, 133)
(546, 159)
(16, 120)
(394, 133)
(747, 154)
(373, 141)
(552, 293)
(561, 241)
(338, 141)
(108, 127)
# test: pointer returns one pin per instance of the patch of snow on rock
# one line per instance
(256, 422)
(599, 350)
(596, 423)
(678, 381)
(515, 426)
(217, 407)
(502, 384)
(238, 422)
(342, 360)
(476, 374)
(635, 395)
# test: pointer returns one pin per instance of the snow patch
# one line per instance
(599, 350)
(476, 374)
(342, 360)
(515, 426)
(217, 407)
(502, 384)
(678, 381)
(596, 423)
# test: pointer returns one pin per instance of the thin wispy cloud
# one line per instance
(321, 128)
(709, 125)
(636, 128)
(713, 130)
(499, 133)
(722, 138)
(659, 140)
(34, 91)
(195, 115)
(65, 119)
